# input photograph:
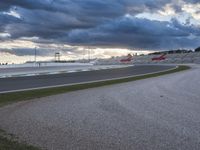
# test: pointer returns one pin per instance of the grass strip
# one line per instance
(9, 142)
(9, 98)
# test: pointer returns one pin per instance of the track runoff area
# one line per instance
(26, 83)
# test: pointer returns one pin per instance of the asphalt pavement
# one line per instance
(32, 82)
(159, 113)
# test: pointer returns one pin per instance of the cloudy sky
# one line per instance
(106, 27)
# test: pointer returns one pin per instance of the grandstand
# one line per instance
(175, 58)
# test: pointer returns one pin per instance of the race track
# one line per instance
(53, 80)
(159, 113)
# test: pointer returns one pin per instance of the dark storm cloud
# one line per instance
(95, 22)
(52, 19)
(43, 51)
(29, 4)
(87, 5)
(19, 52)
(44, 24)
(137, 33)
(7, 19)
(192, 1)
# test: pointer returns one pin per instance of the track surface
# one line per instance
(159, 113)
(24, 83)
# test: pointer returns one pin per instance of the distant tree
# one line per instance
(197, 49)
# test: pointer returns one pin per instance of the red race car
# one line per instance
(128, 59)
(162, 57)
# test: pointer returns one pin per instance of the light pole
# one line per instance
(89, 54)
(35, 55)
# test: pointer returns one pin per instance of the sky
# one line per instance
(107, 28)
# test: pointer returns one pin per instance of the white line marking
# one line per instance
(85, 70)
(71, 71)
(60, 72)
(63, 85)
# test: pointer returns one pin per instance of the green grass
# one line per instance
(27, 95)
(7, 142)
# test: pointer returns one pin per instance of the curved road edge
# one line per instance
(21, 95)
(86, 82)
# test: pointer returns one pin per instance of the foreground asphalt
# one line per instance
(160, 113)
(24, 83)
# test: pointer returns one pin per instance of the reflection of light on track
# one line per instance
(71, 71)
(85, 70)
(61, 71)
(28, 75)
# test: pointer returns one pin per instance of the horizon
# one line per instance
(107, 28)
